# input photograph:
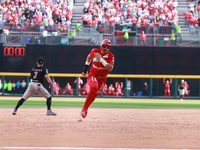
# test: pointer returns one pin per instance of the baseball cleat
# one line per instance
(50, 112)
(14, 112)
(83, 113)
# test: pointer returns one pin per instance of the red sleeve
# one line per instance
(111, 59)
(164, 81)
(92, 52)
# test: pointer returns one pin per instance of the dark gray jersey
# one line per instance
(38, 73)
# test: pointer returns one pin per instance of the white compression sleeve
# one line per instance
(103, 61)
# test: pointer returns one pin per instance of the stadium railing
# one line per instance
(89, 36)
(133, 85)
(64, 39)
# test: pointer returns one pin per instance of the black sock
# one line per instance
(21, 101)
(48, 103)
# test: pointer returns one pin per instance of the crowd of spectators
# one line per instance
(192, 16)
(37, 15)
(13, 87)
(142, 15)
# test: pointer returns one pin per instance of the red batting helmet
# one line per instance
(105, 42)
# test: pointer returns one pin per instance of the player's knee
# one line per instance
(49, 99)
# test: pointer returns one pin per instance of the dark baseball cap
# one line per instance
(40, 60)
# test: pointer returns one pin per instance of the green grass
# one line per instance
(10, 102)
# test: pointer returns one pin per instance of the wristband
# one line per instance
(103, 61)
(85, 69)
(51, 83)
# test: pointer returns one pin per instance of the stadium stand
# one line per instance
(37, 15)
(104, 18)
(141, 15)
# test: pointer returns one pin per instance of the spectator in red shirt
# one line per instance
(117, 8)
(94, 23)
(143, 38)
(89, 23)
(191, 22)
(134, 21)
(112, 22)
(105, 89)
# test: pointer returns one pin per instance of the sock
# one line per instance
(48, 103)
(21, 101)
(90, 98)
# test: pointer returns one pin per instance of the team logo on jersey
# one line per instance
(105, 56)
(95, 60)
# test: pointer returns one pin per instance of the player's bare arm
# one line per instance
(170, 80)
(86, 67)
(48, 80)
(108, 66)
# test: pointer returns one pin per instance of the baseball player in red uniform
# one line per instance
(85, 89)
(186, 89)
(167, 87)
(68, 88)
(102, 62)
(105, 89)
(38, 73)
(119, 90)
(111, 90)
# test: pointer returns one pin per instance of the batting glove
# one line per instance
(50, 85)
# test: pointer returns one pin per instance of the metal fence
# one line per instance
(90, 36)
(133, 85)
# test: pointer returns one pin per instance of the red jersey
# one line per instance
(134, 20)
(143, 36)
(191, 20)
(186, 16)
(105, 88)
(89, 23)
(68, 87)
(167, 85)
(97, 68)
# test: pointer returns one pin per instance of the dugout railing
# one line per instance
(133, 85)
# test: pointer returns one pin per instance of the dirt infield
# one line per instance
(103, 128)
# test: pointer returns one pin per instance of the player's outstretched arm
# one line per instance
(86, 67)
(170, 80)
(164, 80)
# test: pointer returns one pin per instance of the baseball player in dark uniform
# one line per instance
(181, 89)
(37, 75)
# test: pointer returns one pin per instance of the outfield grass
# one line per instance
(39, 102)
